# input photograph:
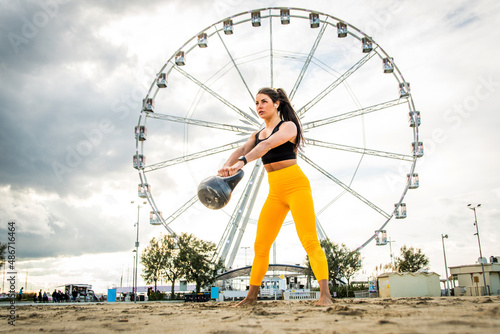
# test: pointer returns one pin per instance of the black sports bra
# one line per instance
(285, 151)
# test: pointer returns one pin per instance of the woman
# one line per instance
(289, 188)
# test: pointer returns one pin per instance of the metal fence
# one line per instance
(362, 294)
(301, 295)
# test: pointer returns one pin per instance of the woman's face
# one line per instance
(265, 106)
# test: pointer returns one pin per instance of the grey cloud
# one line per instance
(85, 233)
(40, 135)
(37, 131)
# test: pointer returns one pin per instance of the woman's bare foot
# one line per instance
(246, 302)
(251, 297)
(324, 301)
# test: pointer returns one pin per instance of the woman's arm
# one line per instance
(286, 132)
(233, 158)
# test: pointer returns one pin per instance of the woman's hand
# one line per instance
(231, 170)
(224, 171)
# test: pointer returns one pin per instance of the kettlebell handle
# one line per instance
(233, 180)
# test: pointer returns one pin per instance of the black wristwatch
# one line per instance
(242, 158)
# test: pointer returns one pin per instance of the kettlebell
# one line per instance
(215, 191)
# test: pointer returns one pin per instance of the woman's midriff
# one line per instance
(274, 166)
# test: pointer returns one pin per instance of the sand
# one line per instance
(375, 315)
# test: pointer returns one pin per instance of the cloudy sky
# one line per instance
(73, 74)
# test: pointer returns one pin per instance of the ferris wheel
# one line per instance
(357, 113)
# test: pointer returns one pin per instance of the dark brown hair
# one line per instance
(286, 111)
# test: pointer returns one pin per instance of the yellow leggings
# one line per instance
(289, 190)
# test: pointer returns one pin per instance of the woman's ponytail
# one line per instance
(286, 111)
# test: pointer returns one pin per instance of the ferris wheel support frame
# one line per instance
(248, 209)
(227, 240)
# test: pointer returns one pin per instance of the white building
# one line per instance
(409, 285)
(468, 279)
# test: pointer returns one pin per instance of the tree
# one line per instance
(350, 263)
(198, 260)
(332, 257)
(154, 259)
(411, 260)
(173, 267)
(3, 249)
(342, 262)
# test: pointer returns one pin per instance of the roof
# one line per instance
(245, 271)
(407, 274)
(77, 285)
(476, 265)
(474, 268)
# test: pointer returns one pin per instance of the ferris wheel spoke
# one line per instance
(308, 61)
(351, 114)
(235, 65)
(169, 230)
(360, 150)
(271, 53)
(179, 211)
(217, 96)
(194, 156)
(190, 121)
(287, 55)
(334, 84)
(345, 187)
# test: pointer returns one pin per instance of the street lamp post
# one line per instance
(473, 208)
(134, 289)
(445, 236)
(133, 275)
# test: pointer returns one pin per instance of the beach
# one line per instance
(370, 315)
